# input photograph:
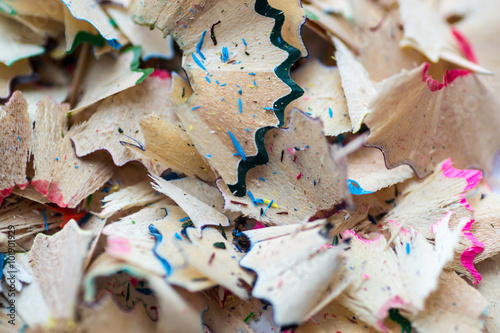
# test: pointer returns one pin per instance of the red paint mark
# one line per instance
(50, 190)
(227, 293)
(68, 214)
(5, 193)
(155, 309)
(75, 216)
(299, 175)
(448, 78)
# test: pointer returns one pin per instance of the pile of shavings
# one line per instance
(249, 166)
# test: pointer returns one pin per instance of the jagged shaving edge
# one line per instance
(282, 71)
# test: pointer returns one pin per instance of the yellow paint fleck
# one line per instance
(274, 205)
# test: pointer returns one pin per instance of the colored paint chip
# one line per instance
(200, 44)
(45, 219)
(238, 147)
(252, 198)
(220, 245)
(198, 62)
(225, 54)
(355, 188)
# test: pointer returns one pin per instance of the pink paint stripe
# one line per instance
(392, 303)
(446, 217)
(258, 225)
(472, 177)
(397, 225)
(162, 74)
(118, 245)
(350, 233)
(448, 78)
(325, 247)
(465, 45)
(50, 190)
(469, 254)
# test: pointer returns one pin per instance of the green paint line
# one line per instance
(263, 8)
(222, 231)
(310, 15)
(7, 9)
(134, 66)
(250, 315)
(86, 37)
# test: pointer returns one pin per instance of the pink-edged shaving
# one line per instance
(472, 177)
(470, 253)
(448, 78)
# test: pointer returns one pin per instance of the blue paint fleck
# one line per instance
(252, 198)
(198, 62)
(238, 147)
(355, 188)
(269, 205)
(200, 44)
(45, 219)
(159, 238)
(225, 54)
